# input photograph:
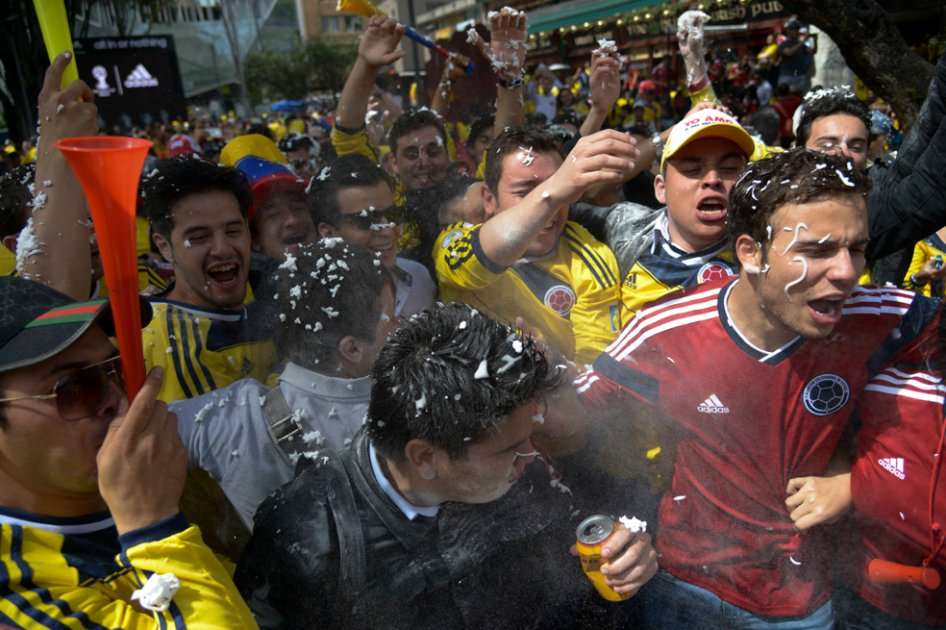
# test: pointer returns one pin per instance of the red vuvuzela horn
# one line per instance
(108, 168)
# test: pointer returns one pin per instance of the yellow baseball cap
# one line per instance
(706, 123)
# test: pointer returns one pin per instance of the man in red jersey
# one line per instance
(897, 486)
(754, 375)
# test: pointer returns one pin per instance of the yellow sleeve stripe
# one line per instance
(34, 606)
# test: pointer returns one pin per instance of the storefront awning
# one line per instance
(551, 17)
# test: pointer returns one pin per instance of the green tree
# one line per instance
(318, 65)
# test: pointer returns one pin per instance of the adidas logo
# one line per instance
(140, 77)
(712, 405)
(893, 465)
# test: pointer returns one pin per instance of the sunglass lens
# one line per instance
(80, 394)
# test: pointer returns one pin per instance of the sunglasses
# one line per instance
(80, 393)
(372, 219)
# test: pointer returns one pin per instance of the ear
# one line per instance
(422, 457)
(10, 242)
(326, 230)
(660, 189)
(164, 246)
(749, 253)
(350, 350)
(490, 202)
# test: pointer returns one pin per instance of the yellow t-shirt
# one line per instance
(572, 297)
(924, 251)
(73, 573)
(203, 350)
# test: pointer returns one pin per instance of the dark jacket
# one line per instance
(498, 565)
(908, 200)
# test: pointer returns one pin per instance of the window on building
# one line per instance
(330, 24)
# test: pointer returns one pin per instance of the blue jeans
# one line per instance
(670, 603)
(856, 614)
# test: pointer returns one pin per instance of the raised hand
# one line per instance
(605, 157)
(605, 84)
(380, 44)
(507, 46)
(64, 112)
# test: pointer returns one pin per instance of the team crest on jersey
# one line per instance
(826, 394)
(713, 271)
(560, 298)
(449, 238)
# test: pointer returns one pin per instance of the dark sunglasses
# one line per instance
(80, 393)
(372, 219)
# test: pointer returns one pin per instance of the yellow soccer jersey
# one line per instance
(571, 296)
(923, 252)
(666, 269)
(78, 573)
(203, 350)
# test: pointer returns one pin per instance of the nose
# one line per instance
(845, 267)
(712, 179)
(113, 402)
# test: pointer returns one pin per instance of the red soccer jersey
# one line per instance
(749, 420)
(901, 412)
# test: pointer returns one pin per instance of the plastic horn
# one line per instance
(887, 572)
(51, 15)
(108, 168)
(365, 8)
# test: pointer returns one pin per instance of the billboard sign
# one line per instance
(136, 80)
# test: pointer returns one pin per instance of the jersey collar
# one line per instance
(663, 244)
(77, 525)
(772, 357)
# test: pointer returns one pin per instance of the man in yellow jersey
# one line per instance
(90, 530)
(202, 333)
(527, 259)
(417, 138)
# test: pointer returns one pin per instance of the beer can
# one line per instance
(591, 535)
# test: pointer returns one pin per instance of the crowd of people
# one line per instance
(394, 360)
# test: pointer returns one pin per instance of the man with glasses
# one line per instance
(90, 530)
(353, 199)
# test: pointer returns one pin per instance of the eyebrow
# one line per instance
(831, 242)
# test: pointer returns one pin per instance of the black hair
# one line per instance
(348, 171)
(821, 103)
(412, 120)
(514, 139)
(176, 178)
(448, 376)
(15, 199)
(479, 126)
(327, 291)
(766, 121)
(797, 176)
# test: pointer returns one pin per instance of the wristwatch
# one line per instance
(510, 83)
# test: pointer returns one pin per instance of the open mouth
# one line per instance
(711, 210)
(224, 273)
(297, 239)
(826, 310)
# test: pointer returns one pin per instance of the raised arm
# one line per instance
(380, 45)
(605, 89)
(602, 158)
(55, 249)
